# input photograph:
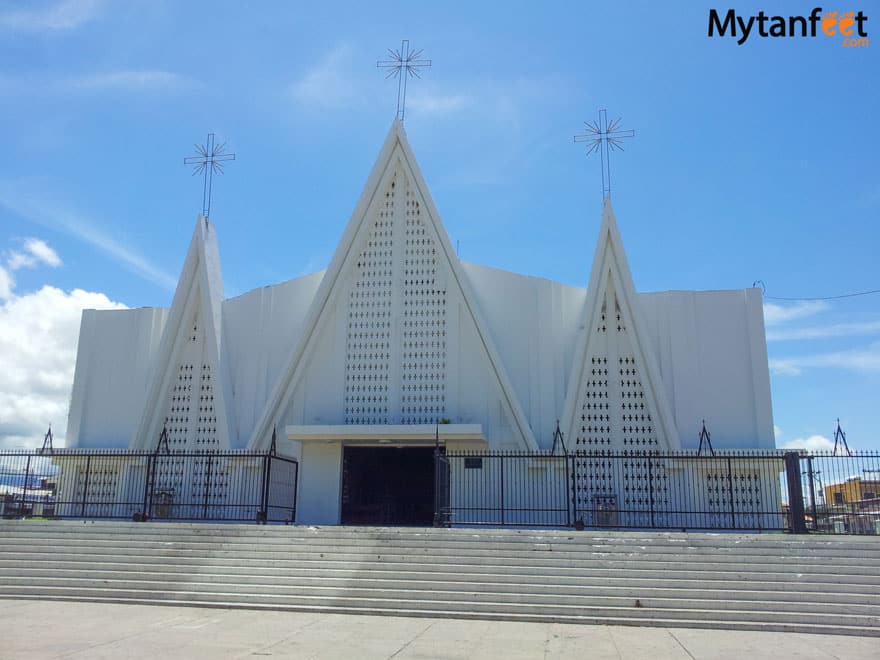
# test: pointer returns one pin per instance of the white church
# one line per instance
(398, 344)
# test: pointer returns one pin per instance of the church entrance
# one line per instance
(388, 486)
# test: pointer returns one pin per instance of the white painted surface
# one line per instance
(452, 340)
(399, 433)
(115, 357)
(320, 484)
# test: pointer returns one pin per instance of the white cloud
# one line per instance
(134, 81)
(41, 250)
(327, 84)
(823, 332)
(858, 359)
(59, 16)
(38, 337)
(35, 252)
(130, 81)
(37, 208)
(6, 283)
(775, 314)
(777, 432)
(812, 443)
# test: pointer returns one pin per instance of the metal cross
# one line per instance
(209, 160)
(404, 63)
(604, 137)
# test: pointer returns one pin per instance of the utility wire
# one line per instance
(844, 295)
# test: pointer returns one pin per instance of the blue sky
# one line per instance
(752, 162)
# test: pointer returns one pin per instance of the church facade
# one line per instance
(361, 368)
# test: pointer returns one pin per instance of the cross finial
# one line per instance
(404, 63)
(604, 136)
(209, 160)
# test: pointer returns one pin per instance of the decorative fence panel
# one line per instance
(741, 490)
(841, 493)
(209, 485)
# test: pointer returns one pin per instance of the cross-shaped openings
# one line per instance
(209, 159)
(604, 136)
(404, 63)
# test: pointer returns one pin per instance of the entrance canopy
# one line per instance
(470, 435)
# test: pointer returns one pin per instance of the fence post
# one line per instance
(812, 494)
(565, 487)
(795, 492)
(730, 492)
(24, 487)
(148, 479)
(501, 464)
(295, 486)
(651, 491)
(82, 511)
(207, 488)
(574, 499)
(263, 514)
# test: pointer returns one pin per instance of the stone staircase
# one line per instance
(776, 582)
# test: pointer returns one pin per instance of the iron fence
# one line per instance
(736, 490)
(841, 493)
(209, 485)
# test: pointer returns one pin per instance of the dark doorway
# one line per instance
(388, 485)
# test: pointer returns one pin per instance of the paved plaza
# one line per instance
(47, 629)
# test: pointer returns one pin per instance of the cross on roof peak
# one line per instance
(209, 159)
(604, 136)
(404, 63)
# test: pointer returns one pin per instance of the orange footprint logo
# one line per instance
(845, 25)
(829, 23)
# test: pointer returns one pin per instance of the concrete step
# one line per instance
(758, 582)
(511, 550)
(701, 563)
(629, 620)
(661, 542)
(321, 545)
(467, 598)
(62, 529)
(841, 574)
(806, 601)
(793, 585)
(505, 574)
(468, 606)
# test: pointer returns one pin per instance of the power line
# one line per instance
(813, 298)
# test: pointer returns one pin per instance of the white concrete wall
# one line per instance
(533, 322)
(259, 329)
(318, 501)
(114, 359)
(713, 361)
(709, 345)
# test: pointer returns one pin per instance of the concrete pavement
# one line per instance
(47, 629)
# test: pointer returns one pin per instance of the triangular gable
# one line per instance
(615, 399)
(188, 390)
(397, 279)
